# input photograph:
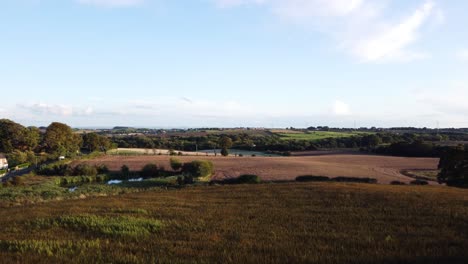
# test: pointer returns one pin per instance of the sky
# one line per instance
(234, 63)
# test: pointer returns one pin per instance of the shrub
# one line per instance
(85, 170)
(18, 181)
(224, 152)
(182, 180)
(102, 169)
(354, 179)
(249, 178)
(419, 182)
(397, 183)
(54, 169)
(125, 170)
(241, 155)
(176, 164)
(150, 170)
(198, 168)
(310, 178)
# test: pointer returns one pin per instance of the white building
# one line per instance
(3, 162)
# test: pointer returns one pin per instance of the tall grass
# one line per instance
(50, 247)
(262, 223)
(121, 226)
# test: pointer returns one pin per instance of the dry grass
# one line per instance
(273, 223)
(383, 168)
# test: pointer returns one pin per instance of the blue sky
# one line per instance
(273, 63)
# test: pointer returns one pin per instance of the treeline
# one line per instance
(30, 145)
(407, 144)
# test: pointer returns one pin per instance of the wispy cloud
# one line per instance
(367, 30)
(56, 110)
(112, 3)
(392, 41)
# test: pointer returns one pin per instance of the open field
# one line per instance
(314, 135)
(273, 223)
(385, 169)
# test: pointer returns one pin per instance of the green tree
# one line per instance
(12, 136)
(94, 142)
(32, 138)
(176, 164)
(198, 168)
(149, 171)
(16, 158)
(225, 143)
(224, 152)
(59, 139)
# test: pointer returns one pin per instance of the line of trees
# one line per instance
(407, 144)
(31, 145)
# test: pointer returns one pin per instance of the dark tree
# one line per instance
(454, 167)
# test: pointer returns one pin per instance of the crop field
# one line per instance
(384, 168)
(265, 223)
(315, 135)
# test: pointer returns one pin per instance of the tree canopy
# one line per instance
(454, 167)
(14, 136)
(59, 139)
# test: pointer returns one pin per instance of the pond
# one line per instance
(238, 152)
(111, 182)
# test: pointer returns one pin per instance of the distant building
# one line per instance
(3, 162)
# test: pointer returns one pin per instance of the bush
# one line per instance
(354, 179)
(102, 169)
(176, 164)
(150, 170)
(85, 170)
(311, 178)
(397, 183)
(249, 178)
(198, 168)
(18, 181)
(54, 169)
(182, 180)
(224, 152)
(125, 170)
(419, 182)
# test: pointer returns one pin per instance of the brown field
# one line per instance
(262, 223)
(384, 169)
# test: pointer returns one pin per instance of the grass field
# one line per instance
(266, 223)
(316, 135)
(384, 168)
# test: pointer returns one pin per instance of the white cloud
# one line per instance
(111, 3)
(463, 54)
(56, 110)
(340, 108)
(361, 27)
(392, 41)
